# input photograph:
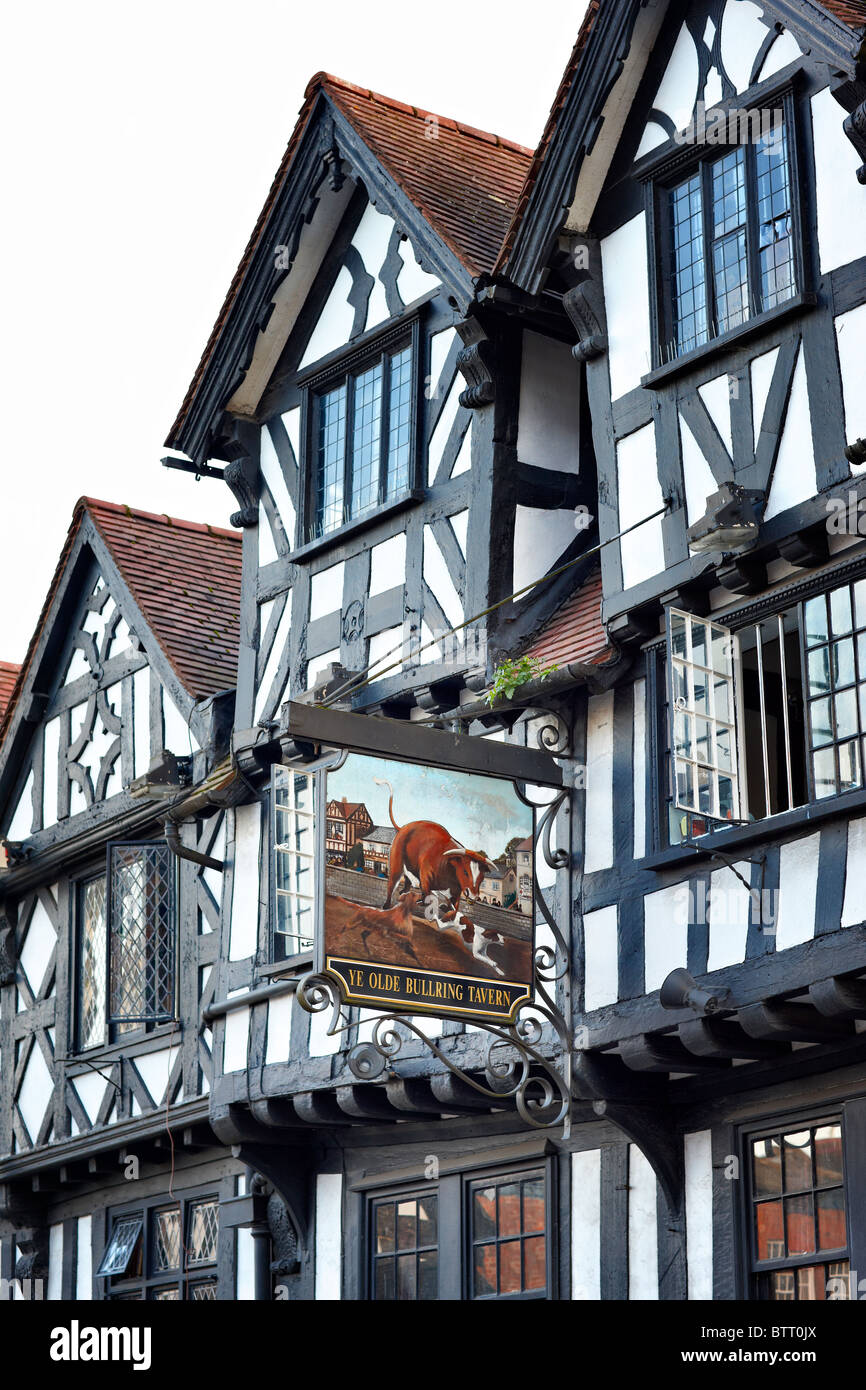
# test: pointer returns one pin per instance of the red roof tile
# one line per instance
(8, 676)
(466, 182)
(574, 633)
(851, 12)
(185, 578)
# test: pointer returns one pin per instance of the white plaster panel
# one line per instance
(643, 1247)
(335, 322)
(388, 564)
(854, 905)
(90, 1090)
(329, 1232)
(320, 1043)
(438, 577)
(439, 437)
(236, 1040)
(326, 591)
(698, 1154)
(84, 1270)
(54, 1290)
(371, 242)
(272, 665)
(49, 778)
(716, 396)
(798, 887)
(600, 972)
(841, 199)
(39, 943)
(22, 818)
(463, 461)
(639, 769)
(245, 887)
(761, 371)
(279, 1029)
(154, 1068)
(540, 537)
(178, 735)
(626, 295)
(292, 421)
(729, 910)
(598, 852)
(412, 280)
(783, 51)
(214, 877)
(666, 931)
(440, 346)
(697, 475)
(386, 647)
(548, 430)
(743, 32)
(245, 1278)
(794, 477)
(267, 548)
(586, 1225)
(36, 1092)
(640, 495)
(141, 720)
(653, 135)
(851, 344)
(460, 527)
(678, 89)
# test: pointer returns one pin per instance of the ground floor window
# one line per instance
(164, 1250)
(798, 1223)
(471, 1235)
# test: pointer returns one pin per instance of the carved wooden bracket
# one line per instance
(32, 1263)
(584, 305)
(238, 479)
(477, 364)
(854, 127)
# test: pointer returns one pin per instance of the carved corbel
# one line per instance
(854, 127)
(477, 364)
(32, 1264)
(584, 305)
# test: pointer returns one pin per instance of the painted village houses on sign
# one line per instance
(289, 903)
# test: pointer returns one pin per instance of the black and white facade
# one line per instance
(419, 420)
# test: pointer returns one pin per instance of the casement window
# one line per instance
(360, 432)
(293, 838)
(125, 943)
(767, 717)
(164, 1251)
(798, 1241)
(498, 1245)
(726, 232)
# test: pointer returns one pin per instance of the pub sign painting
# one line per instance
(428, 899)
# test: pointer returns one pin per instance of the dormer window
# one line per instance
(361, 434)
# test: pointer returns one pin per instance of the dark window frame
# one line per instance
(314, 385)
(453, 1190)
(141, 1286)
(662, 173)
(751, 1270)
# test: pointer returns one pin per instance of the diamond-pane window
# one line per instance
(200, 1293)
(202, 1236)
(166, 1239)
(91, 974)
(141, 932)
(121, 1246)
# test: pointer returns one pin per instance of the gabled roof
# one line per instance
(574, 633)
(465, 182)
(8, 676)
(185, 578)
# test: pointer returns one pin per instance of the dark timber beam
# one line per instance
(792, 1023)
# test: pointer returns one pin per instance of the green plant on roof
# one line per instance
(509, 675)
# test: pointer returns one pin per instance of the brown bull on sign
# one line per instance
(428, 854)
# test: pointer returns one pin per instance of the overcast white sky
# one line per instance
(139, 144)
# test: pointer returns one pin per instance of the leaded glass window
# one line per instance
(798, 1220)
(730, 239)
(141, 932)
(405, 1248)
(362, 440)
(165, 1251)
(508, 1237)
(92, 945)
(294, 844)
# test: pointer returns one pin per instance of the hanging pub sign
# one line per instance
(425, 893)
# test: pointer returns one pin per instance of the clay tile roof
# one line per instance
(851, 12)
(8, 676)
(466, 182)
(574, 632)
(185, 578)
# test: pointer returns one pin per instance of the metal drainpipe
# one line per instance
(173, 840)
(260, 1232)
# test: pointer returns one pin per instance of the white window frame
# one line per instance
(307, 861)
(688, 677)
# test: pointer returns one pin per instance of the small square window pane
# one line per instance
(861, 655)
(769, 1230)
(843, 662)
(705, 791)
(406, 1225)
(828, 1155)
(203, 1232)
(680, 686)
(166, 1240)
(484, 1213)
(701, 699)
(534, 1263)
(384, 1282)
(860, 602)
(533, 1205)
(509, 1267)
(385, 1228)
(509, 1209)
(119, 1251)
(830, 1208)
(724, 749)
(767, 1166)
(727, 798)
(428, 1275)
(797, 1151)
(484, 1270)
(815, 615)
(428, 1221)
(824, 771)
(678, 634)
(840, 611)
(703, 750)
(686, 792)
(849, 765)
(799, 1225)
(170, 1294)
(822, 723)
(721, 650)
(406, 1282)
(721, 701)
(819, 671)
(846, 714)
(683, 734)
(699, 643)
(204, 1292)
